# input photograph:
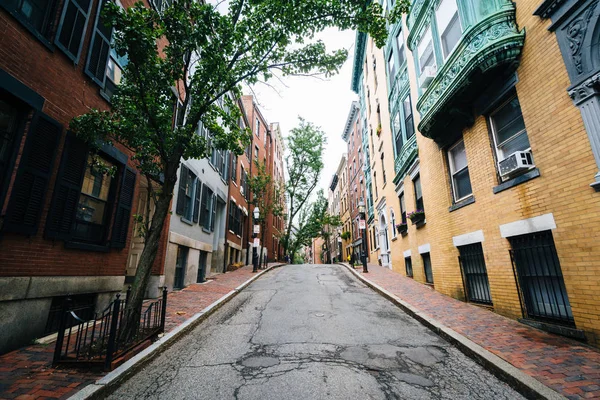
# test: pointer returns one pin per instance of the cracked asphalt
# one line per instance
(312, 332)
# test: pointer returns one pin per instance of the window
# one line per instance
(383, 168)
(448, 23)
(418, 193)
(459, 171)
(72, 27)
(402, 208)
(99, 48)
(400, 48)
(375, 180)
(397, 132)
(427, 267)
(114, 74)
(508, 128)
(257, 127)
(234, 161)
(477, 286)
(256, 153)
(408, 117)
(408, 267)
(540, 278)
(391, 67)
(425, 52)
(393, 218)
(36, 15)
(93, 205)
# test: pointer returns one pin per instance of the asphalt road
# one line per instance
(312, 332)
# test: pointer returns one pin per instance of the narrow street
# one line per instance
(312, 332)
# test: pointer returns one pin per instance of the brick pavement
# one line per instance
(567, 366)
(27, 373)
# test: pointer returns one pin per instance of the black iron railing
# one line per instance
(540, 282)
(100, 340)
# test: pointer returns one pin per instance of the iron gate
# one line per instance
(539, 278)
(474, 273)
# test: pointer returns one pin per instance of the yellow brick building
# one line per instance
(504, 155)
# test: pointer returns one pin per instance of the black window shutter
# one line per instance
(214, 213)
(29, 191)
(67, 189)
(99, 48)
(118, 238)
(197, 201)
(72, 27)
(183, 175)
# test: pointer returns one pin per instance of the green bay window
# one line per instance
(425, 51)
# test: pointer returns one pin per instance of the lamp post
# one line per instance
(256, 215)
(362, 212)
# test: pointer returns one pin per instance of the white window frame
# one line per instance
(454, 172)
(393, 221)
(499, 153)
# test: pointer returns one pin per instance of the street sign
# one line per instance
(256, 242)
(256, 228)
(361, 224)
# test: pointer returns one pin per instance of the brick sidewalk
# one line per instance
(565, 365)
(27, 373)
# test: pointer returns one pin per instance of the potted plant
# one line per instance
(402, 228)
(345, 235)
(417, 217)
(379, 129)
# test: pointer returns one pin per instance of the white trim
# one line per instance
(407, 253)
(530, 225)
(424, 248)
(414, 169)
(468, 238)
(400, 188)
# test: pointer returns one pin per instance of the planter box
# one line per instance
(418, 219)
(402, 229)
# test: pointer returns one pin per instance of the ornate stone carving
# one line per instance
(405, 156)
(576, 35)
(584, 90)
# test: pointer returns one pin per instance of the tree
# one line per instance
(304, 164)
(267, 196)
(187, 59)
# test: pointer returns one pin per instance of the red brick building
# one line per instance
(65, 229)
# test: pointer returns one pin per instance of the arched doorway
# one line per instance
(384, 243)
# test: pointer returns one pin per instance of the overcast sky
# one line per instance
(324, 102)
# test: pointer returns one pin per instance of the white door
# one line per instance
(384, 243)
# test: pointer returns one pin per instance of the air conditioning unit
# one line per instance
(518, 161)
(427, 76)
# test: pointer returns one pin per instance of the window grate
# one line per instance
(474, 272)
(539, 278)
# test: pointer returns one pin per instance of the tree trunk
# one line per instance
(142, 275)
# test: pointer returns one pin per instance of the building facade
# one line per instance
(507, 129)
(65, 227)
(276, 221)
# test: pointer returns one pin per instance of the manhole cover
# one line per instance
(319, 315)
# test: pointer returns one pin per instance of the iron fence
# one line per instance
(101, 340)
(539, 278)
(474, 274)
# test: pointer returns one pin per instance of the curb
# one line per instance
(517, 379)
(107, 384)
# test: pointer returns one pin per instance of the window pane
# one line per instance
(391, 66)
(396, 124)
(400, 45)
(95, 183)
(508, 120)
(445, 13)
(518, 143)
(425, 50)
(417, 183)
(458, 157)
(462, 184)
(451, 35)
(90, 210)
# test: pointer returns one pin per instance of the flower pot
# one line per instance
(417, 218)
(402, 229)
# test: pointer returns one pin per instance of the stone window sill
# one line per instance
(534, 173)
(461, 204)
(187, 221)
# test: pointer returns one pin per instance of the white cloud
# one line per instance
(324, 102)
